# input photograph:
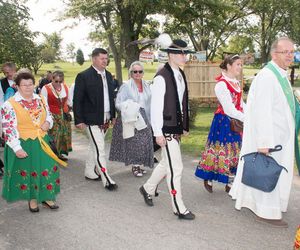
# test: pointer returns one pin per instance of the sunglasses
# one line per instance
(137, 71)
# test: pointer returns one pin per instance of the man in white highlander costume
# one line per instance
(269, 121)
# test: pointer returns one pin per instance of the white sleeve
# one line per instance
(224, 97)
(48, 113)
(158, 90)
(121, 97)
(9, 125)
(71, 94)
(49, 117)
(44, 92)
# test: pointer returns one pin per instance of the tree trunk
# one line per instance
(263, 47)
(132, 54)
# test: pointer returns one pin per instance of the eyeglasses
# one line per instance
(286, 52)
(58, 81)
(26, 85)
(137, 71)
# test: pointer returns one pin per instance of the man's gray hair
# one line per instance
(275, 43)
(135, 63)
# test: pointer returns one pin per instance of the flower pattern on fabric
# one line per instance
(49, 187)
(23, 173)
(45, 173)
(34, 174)
(9, 119)
(220, 157)
(9, 124)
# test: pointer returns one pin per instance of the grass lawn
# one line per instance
(194, 143)
(71, 70)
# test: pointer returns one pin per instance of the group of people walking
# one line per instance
(143, 111)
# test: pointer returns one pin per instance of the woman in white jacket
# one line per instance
(132, 136)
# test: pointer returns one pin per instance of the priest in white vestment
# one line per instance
(269, 121)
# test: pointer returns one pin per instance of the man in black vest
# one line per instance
(9, 70)
(94, 109)
(169, 120)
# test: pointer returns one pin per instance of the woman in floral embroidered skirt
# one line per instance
(57, 95)
(31, 171)
(220, 157)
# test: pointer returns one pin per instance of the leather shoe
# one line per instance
(47, 205)
(63, 158)
(273, 223)
(33, 210)
(96, 179)
(187, 216)
(111, 187)
(156, 192)
(207, 186)
(147, 197)
(227, 189)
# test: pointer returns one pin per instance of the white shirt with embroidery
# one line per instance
(9, 121)
(224, 97)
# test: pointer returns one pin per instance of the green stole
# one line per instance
(294, 106)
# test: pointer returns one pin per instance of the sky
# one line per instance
(44, 13)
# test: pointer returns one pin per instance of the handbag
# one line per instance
(236, 125)
(261, 171)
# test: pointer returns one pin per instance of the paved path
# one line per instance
(92, 218)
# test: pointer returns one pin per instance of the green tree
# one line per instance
(293, 25)
(269, 19)
(53, 44)
(36, 59)
(118, 22)
(239, 44)
(70, 50)
(16, 40)
(48, 54)
(79, 57)
(208, 24)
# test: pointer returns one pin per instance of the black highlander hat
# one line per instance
(178, 47)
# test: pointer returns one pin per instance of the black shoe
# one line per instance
(96, 179)
(111, 187)
(61, 157)
(188, 216)
(54, 206)
(207, 186)
(147, 197)
(156, 192)
(97, 172)
(227, 189)
(33, 210)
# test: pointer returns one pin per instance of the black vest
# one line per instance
(174, 121)
(4, 84)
